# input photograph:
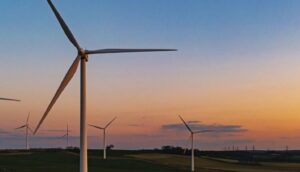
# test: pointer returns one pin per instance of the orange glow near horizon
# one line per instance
(268, 110)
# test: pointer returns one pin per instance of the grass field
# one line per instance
(133, 161)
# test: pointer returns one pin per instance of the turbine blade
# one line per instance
(112, 50)
(204, 131)
(8, 99)
(64, 26)
(64, 136)
(110, 122)
(23, 126)
(186, 146)
(185, 124)
(96, 127)
(64, 83)
(28, 118)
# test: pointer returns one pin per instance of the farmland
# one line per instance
(59, 160)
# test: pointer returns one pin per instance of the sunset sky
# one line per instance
(237, 68)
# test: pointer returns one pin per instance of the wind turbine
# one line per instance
(104, 130)
(192, 141)
(67, 136)
(82, 57)
(9, 99)
(27, 128)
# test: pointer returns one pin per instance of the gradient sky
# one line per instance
(237, 64)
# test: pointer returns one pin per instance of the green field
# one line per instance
(133, 161)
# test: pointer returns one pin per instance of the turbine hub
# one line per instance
(82, 53)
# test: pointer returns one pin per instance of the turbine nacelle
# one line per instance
(82, 54)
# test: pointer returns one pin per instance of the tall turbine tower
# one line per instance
(82, 58)
(27, 129)
(192, 141)
(104, 134)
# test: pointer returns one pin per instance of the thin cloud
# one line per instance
(289, 138)
(54, 131)
(134, 125)
(193, 122)
(197, 126)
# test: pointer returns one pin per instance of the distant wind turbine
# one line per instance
(9, 99)
(104, 135)
(27, 128)
(66, 135)
(82, 56)
(192, 141)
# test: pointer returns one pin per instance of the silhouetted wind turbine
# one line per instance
(104, 134)
(82, 56)
(67, 136)
(27, 128)
(192, 141)
(9, 99)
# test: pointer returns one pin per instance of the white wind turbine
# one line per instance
(104, 134)
(192, 141)
(67, 136)
(82, 57)
(9, 99)
(27, 129)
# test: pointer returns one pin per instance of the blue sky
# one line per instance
(190, 23)
(216, 31)
(206, 26)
